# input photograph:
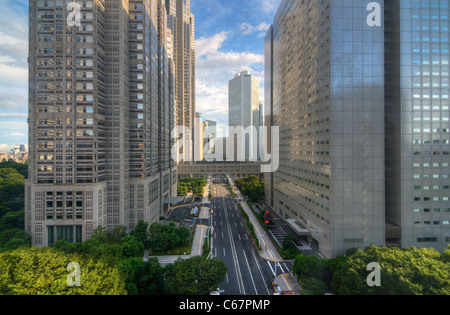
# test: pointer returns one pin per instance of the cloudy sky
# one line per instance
(13, 73)
(229, 38)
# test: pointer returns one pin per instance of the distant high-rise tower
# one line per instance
(243, 111)
(198, 137)
(181, 22)
(100, 116)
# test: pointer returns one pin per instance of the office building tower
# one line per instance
(182, 24)
(99, 118)
(268, 108)
(363, 112)
(260, 131)
(243, 111)
(325, 91)
(209, 135)
(198, 137)
(417, 123)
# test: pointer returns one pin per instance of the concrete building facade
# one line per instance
(328, 101)
(181, 22)
(360, 92)
(99, 118)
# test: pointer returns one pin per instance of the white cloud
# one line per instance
(12, 131)
(214, 68)
(269, 7)
(15, 100)
(13, 116)
(248, 29)
(17, 134)
(209, 45)
(6, 147)
(13, 72)
(13, 76)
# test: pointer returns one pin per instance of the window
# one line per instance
(427, 240)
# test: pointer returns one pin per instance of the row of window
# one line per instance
(429, 210)
(434, 199)
(427, 141)
(435, 187)
(429, 176)
(430, 239)
(428, 223)
(445, 164)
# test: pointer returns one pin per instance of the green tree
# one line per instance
(251, 187)
(287, 242)
(143, 278)
(141, 232)
(131, 247)
(194, 185)
(445, 256)
(163, 238)
(195, 276)
(403, 272)
(305, 265)
(36, 271)
(10, 176)
(12, 238)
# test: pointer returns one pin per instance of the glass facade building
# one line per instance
(417, 122)
(243, 111)
(327, 98)
(363, 113)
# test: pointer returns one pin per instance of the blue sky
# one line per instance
(229, 38)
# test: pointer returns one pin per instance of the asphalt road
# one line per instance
(248, 273)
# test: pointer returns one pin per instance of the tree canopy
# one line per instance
(411, 271)
(35, 271)
(166, 237)
(251, 187)
(195, 276)
(12, 216)
(194, 185)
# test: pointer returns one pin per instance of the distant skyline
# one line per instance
(229, 38)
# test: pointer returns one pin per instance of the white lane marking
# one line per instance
(250, 272)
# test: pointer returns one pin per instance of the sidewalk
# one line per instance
(268, 250)
(284, 284)
(197, 243)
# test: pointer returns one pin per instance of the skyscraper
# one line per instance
(417, 123)
(328, 102)
(181, 22)
(99, 118)
(198, 137)
(363, 113)
(209, 136)
(243, 111)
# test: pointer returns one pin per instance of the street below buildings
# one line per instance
(248, 272)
